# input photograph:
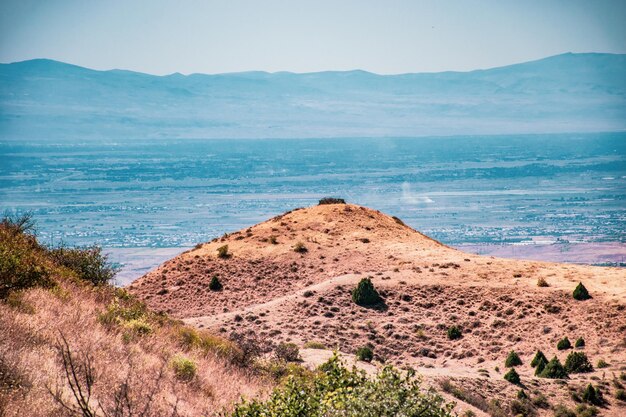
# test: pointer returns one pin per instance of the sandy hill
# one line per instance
(280, 294)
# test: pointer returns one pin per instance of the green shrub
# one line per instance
(88, 263)
(190, 338)
(583, 410)
(365, 354)
(540, 401)
(554, 370)
(331, 200)
(365, 294)
(215, 284)
(454, 332)
(620, 394)
(564, 344)
(337, 391)
(521, 395)
(580, 292)
(138, 326)
(300, 248)
(512, 376)
(539, 355)
(592, 395)
(541, 365)
(512, 360)
(580, 342)
(541, 282)
(222, 252)
(185, 369)
(287, 352)
(314, 345)
(577, 362)
(602, 364)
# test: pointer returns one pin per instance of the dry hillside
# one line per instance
(276, 293)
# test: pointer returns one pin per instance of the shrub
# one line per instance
(620, 394)
(138, 326)
(331, 200)
(580, 292)
(300, 248)
(521, 395)
(564, 344)
(577, 362)
(314, 345)
(222, 252)
(185, 369)
(365, 294)
(207, 343)
(287, 352)
(215, 284)
(512, 376)
(540, 401)
(454, 332)
(539, 355)
(541, 282)
(554, 370)
(273, 240)
(583, 410)
(88, 263)
(592, 395)
(398, 220)
(602, 364)
(541, 365)
(335, 390)
(365, 354)
(512, 360)
(562, 411)
(580, 342)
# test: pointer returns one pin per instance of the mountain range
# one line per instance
(41, 99)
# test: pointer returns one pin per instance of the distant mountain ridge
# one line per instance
(43, 98)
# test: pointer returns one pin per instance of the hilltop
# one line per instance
(290, 279)
(565, 93)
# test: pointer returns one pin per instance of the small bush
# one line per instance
(314, 345)
(554, 370)
(583, 410)
(138, 326)
(539, 355)
(215, 284)
(273, 240)
(454, 332)
(207, 343)
(222, 252)
(580, 292)
(580, 342)
(88, 263)
(564, 344)
(562, 411)
(620, 394)
(577, 362)
(541, 282)
(398, 220)
(512, 376)
(602, 364)
(365, 354)
(540, 401)
(300, 248)
(365, 294)
(512, 360)
(287, 352)
(541, 365)
(592, 395)
(331, 200)
(185, 369)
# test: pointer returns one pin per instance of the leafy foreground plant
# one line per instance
(338, 391)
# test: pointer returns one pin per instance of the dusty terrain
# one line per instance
(279, 295)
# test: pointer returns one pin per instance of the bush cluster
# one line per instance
(337, 391)
(331, 200)
(553, 370)
(577, 362)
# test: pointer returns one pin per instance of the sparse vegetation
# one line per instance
(222, 252)
(184, 368)
(580, 292)
(273, 240)
(300, 248)
(365, 353)
(287, 352)
(512, 376)
(335, 391)
(215, 284)
(564, 344)
(577, 362)
(454, 332)
(365, 294)
(314, 345)
(512, 360)
(562, 411)
(331, 200)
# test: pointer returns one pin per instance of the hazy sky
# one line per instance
(386, 36)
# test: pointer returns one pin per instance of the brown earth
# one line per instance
(280, 295)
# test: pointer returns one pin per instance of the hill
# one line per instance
(290, 279)
(565, 93)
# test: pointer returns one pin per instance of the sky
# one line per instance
(386, 36)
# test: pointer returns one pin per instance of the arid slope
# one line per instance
(278, 294)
